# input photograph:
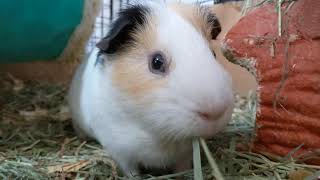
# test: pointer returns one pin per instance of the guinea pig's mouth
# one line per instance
(204, 115)
(209, 124)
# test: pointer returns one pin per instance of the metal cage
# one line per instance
(107, 13)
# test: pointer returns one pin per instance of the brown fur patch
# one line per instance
(196, 15)
(130, 70)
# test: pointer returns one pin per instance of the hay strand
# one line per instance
(197, 160)
(215, 169)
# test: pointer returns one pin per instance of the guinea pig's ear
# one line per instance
(214, 25)
(120, 33)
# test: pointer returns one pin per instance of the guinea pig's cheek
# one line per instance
(134, 80)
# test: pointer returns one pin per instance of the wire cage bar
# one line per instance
(107, 13)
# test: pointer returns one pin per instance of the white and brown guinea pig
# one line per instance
(152, 85)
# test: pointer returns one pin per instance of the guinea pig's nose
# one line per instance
(210, 115)
(204, 115)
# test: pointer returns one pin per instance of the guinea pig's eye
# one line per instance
(157, 63)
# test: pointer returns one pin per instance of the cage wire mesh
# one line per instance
(107, 13)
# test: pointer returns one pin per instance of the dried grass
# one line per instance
(38, 142)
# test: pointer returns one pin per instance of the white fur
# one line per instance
(160, 134)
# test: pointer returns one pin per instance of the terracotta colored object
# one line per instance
(287, 69)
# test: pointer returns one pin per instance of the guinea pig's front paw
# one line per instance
(183, 165)
(132, 174)
(129, 170)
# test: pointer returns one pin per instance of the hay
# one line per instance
(38, 142)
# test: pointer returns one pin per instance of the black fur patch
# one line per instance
(120, 32)
(215, 25)
(224, 1)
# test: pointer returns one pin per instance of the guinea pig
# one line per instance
(152, 85)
